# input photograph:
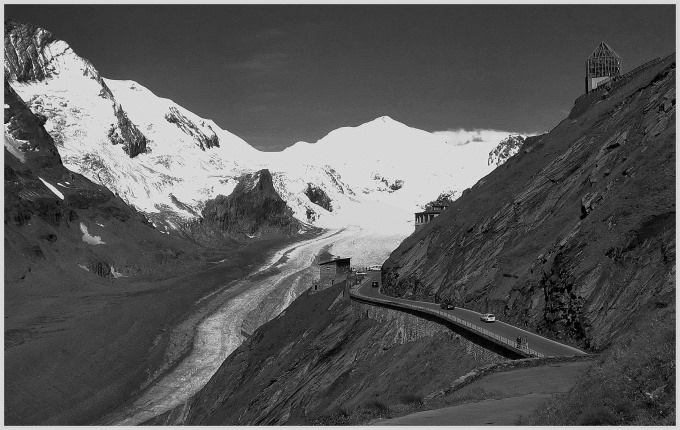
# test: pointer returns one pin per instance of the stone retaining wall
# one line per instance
(412, 328)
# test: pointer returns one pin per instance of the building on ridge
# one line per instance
(430, 213)
(602, 66)
(332, 272)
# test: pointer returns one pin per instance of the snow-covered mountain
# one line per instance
(383, 165)
(168, 162)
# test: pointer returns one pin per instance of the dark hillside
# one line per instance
(575, 235)
(329, 360)
(91, 289)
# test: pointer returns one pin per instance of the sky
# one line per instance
(278, 74)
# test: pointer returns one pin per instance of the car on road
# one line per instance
(376, 267)
(445, 305)
(374, 284)
(488, 317)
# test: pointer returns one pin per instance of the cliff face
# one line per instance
(205, 141)
(325, 353)
(253, 209)
(127, 134)
(573, 236)
(34, 54)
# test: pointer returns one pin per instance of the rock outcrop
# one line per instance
(574, 236)
(506, 148)
(34, 54)
(253, 209)
(210, 140)
(127, 134)
(319, 197)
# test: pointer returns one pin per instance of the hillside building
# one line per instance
(332, 272)
(602, 66)
(430, 213)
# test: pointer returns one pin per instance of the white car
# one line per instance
(376, 267)
(488, 317)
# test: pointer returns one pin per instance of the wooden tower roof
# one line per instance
(604, 51)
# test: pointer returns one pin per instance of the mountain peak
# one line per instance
(384, 120)
(33, 54)
(25, 56)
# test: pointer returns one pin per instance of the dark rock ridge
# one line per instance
(574, 236)
(190, 129)
(29, 55)
(319, 197)
(254, 209)
(395, 185)
(23, 125)
(127, 134)
(505, 149)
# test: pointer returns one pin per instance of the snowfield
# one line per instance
(375, 174)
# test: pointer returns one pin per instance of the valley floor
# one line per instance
(124, 351)
(72, 353)
(217, 325)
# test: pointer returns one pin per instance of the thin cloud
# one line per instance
(266, 62)
(460, 137)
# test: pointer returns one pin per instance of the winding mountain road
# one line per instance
(500, 331)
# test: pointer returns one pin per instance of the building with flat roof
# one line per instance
(430, 213)
(332, 272)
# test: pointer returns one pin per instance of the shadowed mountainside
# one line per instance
(575, 235)
(323, 355)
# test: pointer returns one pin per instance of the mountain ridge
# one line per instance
(153, 152)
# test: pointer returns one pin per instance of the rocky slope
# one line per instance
(254, 210)
(326, 354)
(575, 235)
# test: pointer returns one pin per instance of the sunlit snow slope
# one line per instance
(167, 161)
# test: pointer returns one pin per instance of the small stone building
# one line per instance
(430, 213)
(602, 66)
(332, 272)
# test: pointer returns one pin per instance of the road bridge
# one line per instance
(499, 333)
